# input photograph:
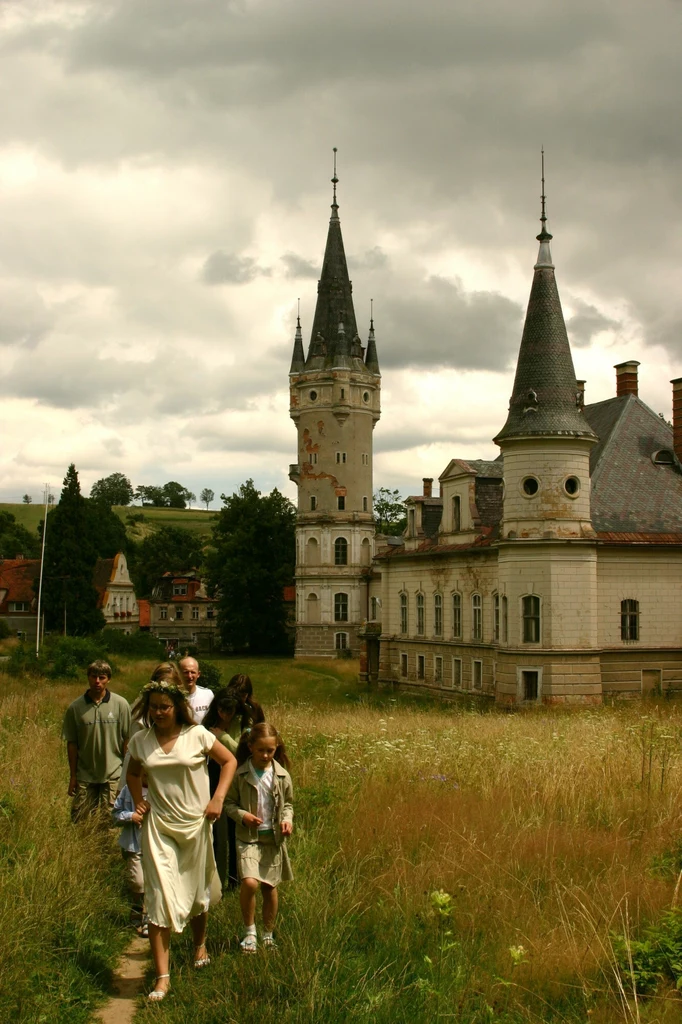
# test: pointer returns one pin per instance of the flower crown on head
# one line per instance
(162, 686)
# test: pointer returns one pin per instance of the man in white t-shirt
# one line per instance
(198, 697)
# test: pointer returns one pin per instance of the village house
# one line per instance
(18, 602)
(116, 594)
(179, 612)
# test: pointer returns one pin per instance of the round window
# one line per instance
(313, 396)
(365, 396)
(530, 486)
(572, 486)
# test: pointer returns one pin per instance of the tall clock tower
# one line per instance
(335, 402)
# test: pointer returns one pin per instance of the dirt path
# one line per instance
(126, 984)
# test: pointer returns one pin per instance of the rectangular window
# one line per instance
(496, 617)
(438, 615)
(438, 669)
(477, 617)
(456, 513)
(457, 673)
(365, 503)
(531, 619)
(313, 502)
(403, 666)
(629, 620)
(374, 608)
(195, 612)
(420, 614)
(505, 620)
(421, 666)
(403, 613)
(340, 607)
(19, 606)
(209, 612)
(313, 458)
(341, 503)
(477, 674)
(179, 613)
(341, 641)
(365, 459)
(179, 589)
(163, 613)
(457, 615)
(341, 457)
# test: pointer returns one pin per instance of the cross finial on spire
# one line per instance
(298, 313)
(335, 181)
(371, 314)
(544, 235)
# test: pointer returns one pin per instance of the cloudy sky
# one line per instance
(164, 200)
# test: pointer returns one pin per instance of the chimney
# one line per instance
(428, 486)
(626, 378)
(677, 416)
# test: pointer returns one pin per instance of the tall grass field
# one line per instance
(452, 863)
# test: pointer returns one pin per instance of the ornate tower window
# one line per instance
(403, 613)
(456, 513)
(476, 617)
(341, 503)
(420, 614)
(340, 551)
(340, 607)
(457, 616)
(531, 619)
(629, 619)
(437, 614)
(313, 502)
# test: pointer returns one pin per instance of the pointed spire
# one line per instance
(544, 398)
(334, 297)
(544, 238)
(298, 358)
(371, 359)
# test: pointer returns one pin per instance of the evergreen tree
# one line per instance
(168, 549)
(71, 551)
(254, 558)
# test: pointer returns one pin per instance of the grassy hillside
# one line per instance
(450, 865)
(195, 519)
(198, 520)
(27, 516)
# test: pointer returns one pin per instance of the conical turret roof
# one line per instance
(371, 358)
(545, 399)
(334, 299)
(298, 358)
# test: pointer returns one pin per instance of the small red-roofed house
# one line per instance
(18, 602)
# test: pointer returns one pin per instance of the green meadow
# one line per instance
(196, 519)
(452, 864)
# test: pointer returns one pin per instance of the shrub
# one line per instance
(138, 644)
(656, 956)
(210, 675)
(5, 631)
(61, 657)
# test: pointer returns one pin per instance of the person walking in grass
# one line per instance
(96, 729)
(177, 855)
(129, 819)
(243, 686)
(198, 697)
(260, 801)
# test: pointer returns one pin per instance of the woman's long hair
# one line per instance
(165, 679)
(244, 687)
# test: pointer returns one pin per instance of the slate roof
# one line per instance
(544, 398)
(630, 494)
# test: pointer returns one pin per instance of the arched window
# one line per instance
(340, 551)
(457, 616)
(496, 617)
(420, 614)
(505, 620)
(313, 608)
(531, 619)
(341, 641)
(476, 617)
(629, 619)
(365, 552)
(403, 613)
(340, 607)
(312, 552)
(437, 614)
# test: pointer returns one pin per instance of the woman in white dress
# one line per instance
(177, 852)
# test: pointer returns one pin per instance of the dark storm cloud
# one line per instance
(229, 268)
(436, 323)
(297, 266)
(587, 321)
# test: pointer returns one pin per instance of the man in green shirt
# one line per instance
(96, 730)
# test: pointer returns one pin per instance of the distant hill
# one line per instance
(189, 518)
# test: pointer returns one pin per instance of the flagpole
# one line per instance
(42, 563)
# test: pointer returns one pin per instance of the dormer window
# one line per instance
(663, 457)
(410, 519)
(456, 513)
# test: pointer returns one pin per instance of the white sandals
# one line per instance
(156, 995)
